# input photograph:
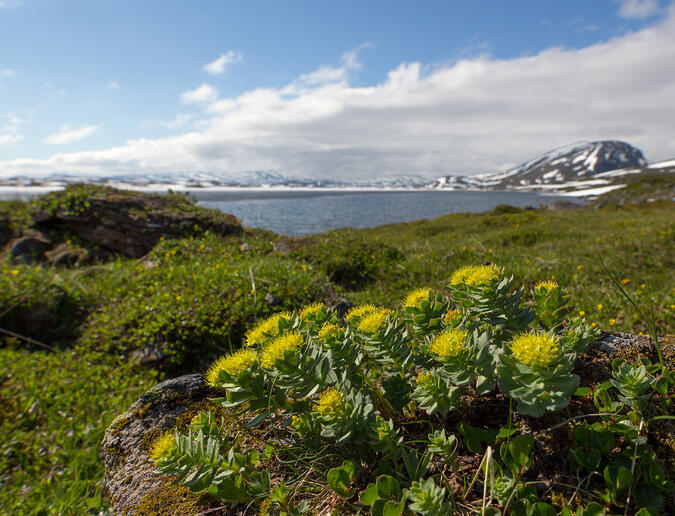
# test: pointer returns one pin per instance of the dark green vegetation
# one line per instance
(193, 297)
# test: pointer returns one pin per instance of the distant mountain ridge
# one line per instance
(579, 169)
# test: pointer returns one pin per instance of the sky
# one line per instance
(343, 90)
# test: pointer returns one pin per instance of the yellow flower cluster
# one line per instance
(269, 327)
(546, 285)
(535, 349)
(329, 330)
(331, 403)
(163, 447)
(232, 364)
(449, 343)
(476, 275)
(360, 311)
(311, 310)
(275, 349)
(416, 297)
(374, 321)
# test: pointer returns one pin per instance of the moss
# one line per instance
(168, 498)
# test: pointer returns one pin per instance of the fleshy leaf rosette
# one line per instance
(537, 374)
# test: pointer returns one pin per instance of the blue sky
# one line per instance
(349, 89)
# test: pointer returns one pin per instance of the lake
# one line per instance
(305, 211)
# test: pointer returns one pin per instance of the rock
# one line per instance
(131, 223)
(29, 248)
(129, 479)
(281, 248)
(341, 305)
(149, 355)
(271, 300)
(244, 248)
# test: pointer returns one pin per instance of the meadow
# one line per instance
(72, 338)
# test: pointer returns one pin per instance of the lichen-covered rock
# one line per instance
(129, 480)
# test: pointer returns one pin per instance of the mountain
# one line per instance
(577, 166)
(585, 169)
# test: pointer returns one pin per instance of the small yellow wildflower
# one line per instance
(581, 313)
(449, 343)
(275, 349)
(625, 281)
(599, 306)
(372, 322)
(535, 349)
(163, 447)
(15, 272)
(360, 311)
(329, 330)
(579, 267)
(416, 297)
(643, 286)
(269, 327)
(232, 364)
(546, 285)
(331, 403)
(593, 325)
(311, 310)
(612, 322)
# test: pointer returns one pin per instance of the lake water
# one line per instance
(305, 211)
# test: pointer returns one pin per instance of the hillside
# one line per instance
(84, 339)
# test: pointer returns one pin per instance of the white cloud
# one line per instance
(9, 139)
(638, 9)
(179, 121)
(478, 114)
(202, 95)
(67, 135)
(219, 65)
(324, 74)
(112, 85)
(7, 73)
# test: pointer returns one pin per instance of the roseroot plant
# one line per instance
(359, 387)
(536, 372)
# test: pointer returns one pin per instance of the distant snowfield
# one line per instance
(589, 192)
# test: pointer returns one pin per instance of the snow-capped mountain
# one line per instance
(578, 165)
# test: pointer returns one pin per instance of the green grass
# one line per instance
(194, 298)
(56, 407)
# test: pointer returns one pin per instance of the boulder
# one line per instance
(29, 248)
(129, 479)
